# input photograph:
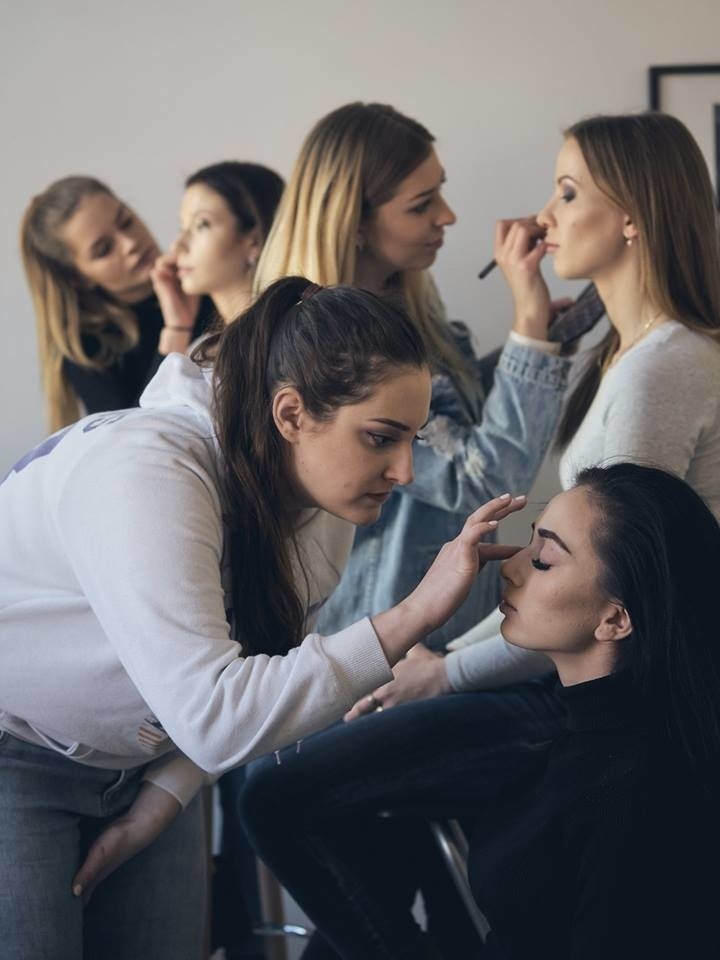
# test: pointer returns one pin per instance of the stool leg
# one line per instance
(454, 849)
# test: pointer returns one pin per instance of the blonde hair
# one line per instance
(351, 162)
(652, 168)
(65, 309)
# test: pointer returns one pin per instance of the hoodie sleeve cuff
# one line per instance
(179, 776)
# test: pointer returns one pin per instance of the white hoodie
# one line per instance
(114, 644)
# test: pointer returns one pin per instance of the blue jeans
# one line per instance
(51, 810)
(313, 818)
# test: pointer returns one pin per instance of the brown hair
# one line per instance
(334, 347)
(65, 308)
(652, 168)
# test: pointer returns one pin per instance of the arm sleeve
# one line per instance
(457, 467)
(143, 534)
(98, 390)
(492, 663)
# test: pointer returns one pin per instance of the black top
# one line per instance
(119, 386)
(605, 850)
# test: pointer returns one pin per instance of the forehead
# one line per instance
(403, 396)
(95, 215)
(571, 162)
(572, 515)
(200, 197)
(427, 176)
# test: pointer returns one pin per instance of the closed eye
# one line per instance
(539, 565)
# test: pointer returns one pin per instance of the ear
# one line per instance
(615, 624)
(253, 247)
(629, 230)
(288, 412)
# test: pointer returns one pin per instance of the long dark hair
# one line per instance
(251, 190)
(659, 548)
(334, 347)
(651, 167)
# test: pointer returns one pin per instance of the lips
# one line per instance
(379, 497)
(506, 607)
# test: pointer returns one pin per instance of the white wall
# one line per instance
(142, 93)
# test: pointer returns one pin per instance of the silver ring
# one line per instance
(374, 702)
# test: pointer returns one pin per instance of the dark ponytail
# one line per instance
(334, 347)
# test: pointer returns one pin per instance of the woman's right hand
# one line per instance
(179, 309)
(519, 248)
(448, 581)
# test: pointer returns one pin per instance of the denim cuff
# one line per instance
(534, 366)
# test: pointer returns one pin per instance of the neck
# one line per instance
(232, 302)
(371, 274)
(581, 667)
(628, 309)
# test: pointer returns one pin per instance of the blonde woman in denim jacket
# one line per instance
(364, 207)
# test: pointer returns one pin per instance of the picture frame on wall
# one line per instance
(691, 92)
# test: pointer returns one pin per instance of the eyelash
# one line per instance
(539, 565)
(568, 196)
(421, 207)
(380, 439)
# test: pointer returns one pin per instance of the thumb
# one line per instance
(96, 866)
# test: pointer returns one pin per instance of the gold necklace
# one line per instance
(611, 361)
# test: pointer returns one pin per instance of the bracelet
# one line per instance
(183, 329)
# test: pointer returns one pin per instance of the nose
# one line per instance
(446, 216)
(179, 243)
(546, 217)
(511, 570)
(400, 469)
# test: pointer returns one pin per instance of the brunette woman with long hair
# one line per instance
(161, 568)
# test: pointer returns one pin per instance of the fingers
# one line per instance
(497, 509)
(515, 239)
(365, 706)
(94, 869)
(497, 551)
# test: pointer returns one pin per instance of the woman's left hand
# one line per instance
(153, 810)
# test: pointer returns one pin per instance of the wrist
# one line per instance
(184, 329)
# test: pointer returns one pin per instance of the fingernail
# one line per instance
(492, 523)
(520, 497)
(504, 496)
(77, 890)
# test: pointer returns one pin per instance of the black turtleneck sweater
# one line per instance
(609, 851)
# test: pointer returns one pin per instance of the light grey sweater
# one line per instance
(659, 405)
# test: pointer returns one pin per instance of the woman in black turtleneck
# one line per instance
(605, 849)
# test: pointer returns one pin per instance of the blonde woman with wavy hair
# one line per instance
(87, 258)
(364, 207)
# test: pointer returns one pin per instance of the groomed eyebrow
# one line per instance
(392, 423)
(566, 176)
(551, 535)
(426, 193)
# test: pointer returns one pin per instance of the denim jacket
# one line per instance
(458, 465)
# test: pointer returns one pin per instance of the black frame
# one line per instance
(655, 76)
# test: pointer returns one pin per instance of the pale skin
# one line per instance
(210, 256)
(110, 247)
(407, 231)
(368, 445)
(587, 234)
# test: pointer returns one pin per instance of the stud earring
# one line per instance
(628, 241)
